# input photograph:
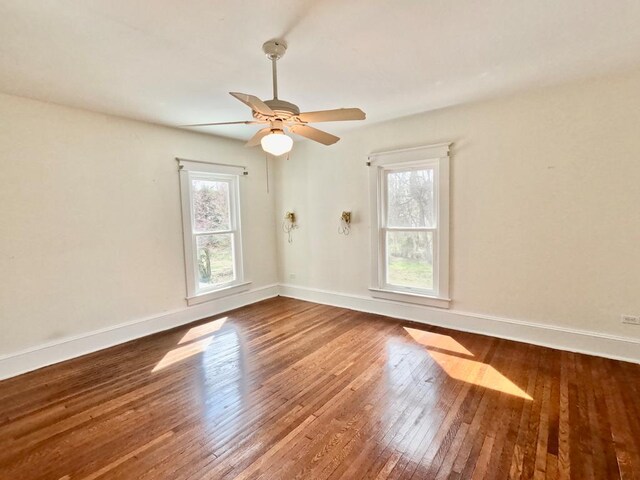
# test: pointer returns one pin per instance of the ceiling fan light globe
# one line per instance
(277, 143)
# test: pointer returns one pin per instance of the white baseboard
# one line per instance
(75, 346)
(562, 338)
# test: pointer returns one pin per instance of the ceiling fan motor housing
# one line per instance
(284, 110)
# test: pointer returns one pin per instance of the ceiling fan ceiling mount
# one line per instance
(281, 115)
(274, 49)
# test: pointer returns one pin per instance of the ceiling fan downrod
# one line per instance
(275, 50)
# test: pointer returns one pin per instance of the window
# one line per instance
(212, 233)
(410, 210)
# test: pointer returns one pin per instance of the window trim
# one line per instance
(190, 170)
(432, 156)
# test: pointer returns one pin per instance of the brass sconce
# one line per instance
(345, 223)
(289, 224)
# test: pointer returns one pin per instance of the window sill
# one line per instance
(410, 298)
(223, 292)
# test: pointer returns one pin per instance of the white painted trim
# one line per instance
(425, 300)
(219, 293)
(219, 173)
(57, 351)
(431, 156)
(201, 166)
(562, 338)
(411, 154)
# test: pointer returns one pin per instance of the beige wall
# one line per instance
(545, 204)
(545, 211)
(90, 220)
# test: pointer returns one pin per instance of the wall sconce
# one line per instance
(345, 224)
(289, 224)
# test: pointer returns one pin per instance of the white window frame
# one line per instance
(380, 164)
(194, 170)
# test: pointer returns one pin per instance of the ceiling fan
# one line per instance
(282, 116)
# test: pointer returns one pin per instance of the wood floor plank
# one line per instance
(286, 389)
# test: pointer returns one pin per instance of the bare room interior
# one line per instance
(299, 239)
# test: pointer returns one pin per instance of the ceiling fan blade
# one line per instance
(246, 122)
(255, 140)
(254, 103)
(314, 134)
(337, 115)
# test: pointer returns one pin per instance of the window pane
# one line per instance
(410, 259)
(215, 259)
(210, 205)
(410, 199)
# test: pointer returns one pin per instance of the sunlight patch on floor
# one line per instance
(202, 330)
(464, 369)
(477, 373)
(190, 345)
(443, 342)
(180, 353)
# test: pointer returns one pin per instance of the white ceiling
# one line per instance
(173, 61)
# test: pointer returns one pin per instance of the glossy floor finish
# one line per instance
(286, 389)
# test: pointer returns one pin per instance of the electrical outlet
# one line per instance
(630, 319)
(292, 276)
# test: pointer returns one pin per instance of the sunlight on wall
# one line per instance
(194, 347)
(461, 368)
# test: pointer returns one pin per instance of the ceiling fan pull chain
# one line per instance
(266, 164)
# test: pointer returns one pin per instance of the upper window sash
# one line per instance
(233, 186)
(383, 194)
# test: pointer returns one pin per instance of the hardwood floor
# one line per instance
(285, 389)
